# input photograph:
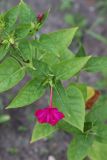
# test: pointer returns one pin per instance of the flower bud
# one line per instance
(40, 17)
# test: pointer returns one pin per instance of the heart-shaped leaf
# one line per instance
(71, 103)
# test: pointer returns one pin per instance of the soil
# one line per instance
(15, 135)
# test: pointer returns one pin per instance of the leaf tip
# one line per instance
(8, 107)
(21, 1)
(75, 28)
(31, 141)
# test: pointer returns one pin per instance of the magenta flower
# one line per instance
(40, 16)
(49, 114)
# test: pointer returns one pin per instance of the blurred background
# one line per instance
(16, 125)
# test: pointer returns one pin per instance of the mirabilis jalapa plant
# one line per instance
(49, 62)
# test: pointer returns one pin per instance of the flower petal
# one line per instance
(49, 115)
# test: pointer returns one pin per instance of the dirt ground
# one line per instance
(15, 135)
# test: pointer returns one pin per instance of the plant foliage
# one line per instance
(49, 61)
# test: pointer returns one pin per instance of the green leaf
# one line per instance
(11, 73)
(48, 57)
(96, 64)
(59, 39)
(10, 18)
(79, 147)
(101, 133)
(4, 48)
(88, 126)
(71, 103)
(22, 31)
(66, 54)
(81, 52)
(70, 67)
(41, 131)
(25, 49)
(98, 151)
(4, 118)
(67, 127)
(42, 70)
(26, 13)
(2, 23)
(82, 87)
(99, 111)
(31, 92)
(55, 43)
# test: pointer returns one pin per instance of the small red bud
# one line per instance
(40, 17)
